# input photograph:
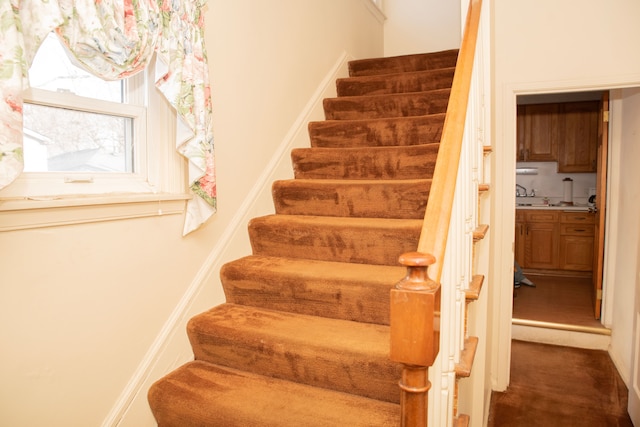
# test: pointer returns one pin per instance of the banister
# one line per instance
(435, 228)
(416, 300)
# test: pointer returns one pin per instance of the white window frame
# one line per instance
(156, 187)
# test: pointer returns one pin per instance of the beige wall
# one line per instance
(91, 314)
(624, 211)
(548, 46)
(417, 26)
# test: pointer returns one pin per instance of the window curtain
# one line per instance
(114, 39)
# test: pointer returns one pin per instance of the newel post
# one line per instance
(415, 334)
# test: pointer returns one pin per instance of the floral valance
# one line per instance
(114, 39)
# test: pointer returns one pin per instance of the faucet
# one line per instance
(524, 191)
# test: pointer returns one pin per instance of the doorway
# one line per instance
(560, 187)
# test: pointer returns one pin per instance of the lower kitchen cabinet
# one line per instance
(521, 224)
(577, 230)
(541, 246)
(548, 239)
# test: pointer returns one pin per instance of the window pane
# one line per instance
(59, 139)
(53, 70)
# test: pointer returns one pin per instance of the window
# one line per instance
(87, 136)
(93, 150)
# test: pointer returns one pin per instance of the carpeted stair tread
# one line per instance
(392, 105)
(357, 292)
(417, 81)
(360, 240)
(403, 162)
(303, 339)
(352, 198)
(204, 395)
(403, 63)
(394, 131)
(328, 353)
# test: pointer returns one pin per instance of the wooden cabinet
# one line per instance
(521, 223)
(565, 132)
(554, 240)
(579, 137)
(540, 242)
(538, 132)
(577, 230)
(536, 245)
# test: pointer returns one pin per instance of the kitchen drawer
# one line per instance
(576, 230)
(577, 218)
(542, 216)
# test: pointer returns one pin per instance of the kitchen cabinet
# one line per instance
(538, 132)
(519, 237)
(548, 239)
(539, 246)
(577, 230)
(565, 132)
(577, 151)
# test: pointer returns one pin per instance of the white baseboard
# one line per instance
(561, 337)
(171, 348)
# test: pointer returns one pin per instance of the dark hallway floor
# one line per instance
(553, 386)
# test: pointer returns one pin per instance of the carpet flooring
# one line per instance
(556, 299)
(303, 338)
(553, 386)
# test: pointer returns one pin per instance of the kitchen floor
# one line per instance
(556, 299)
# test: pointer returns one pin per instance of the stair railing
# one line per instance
(420, 308)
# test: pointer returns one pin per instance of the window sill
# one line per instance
(22, 214)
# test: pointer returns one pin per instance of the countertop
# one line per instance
(573, 208)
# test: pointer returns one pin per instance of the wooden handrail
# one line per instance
(415, 301)
(435, 228)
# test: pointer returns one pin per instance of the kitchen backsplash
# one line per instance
(548, 182)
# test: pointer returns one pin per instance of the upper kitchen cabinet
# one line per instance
(566, 132)
(577, 151)
(538, 132)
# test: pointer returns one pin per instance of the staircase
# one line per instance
(303, 339)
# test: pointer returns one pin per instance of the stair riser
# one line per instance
(260, 284)
(399, 64)
(400, 83)
(246, 348)
(410, 162)
(404, 199)
(374, 107)
(340, 243)
(378, 132)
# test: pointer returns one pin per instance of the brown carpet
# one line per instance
(557, 299)
(560, 386)
(303, 339)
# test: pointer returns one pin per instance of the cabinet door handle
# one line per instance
(580, 229)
